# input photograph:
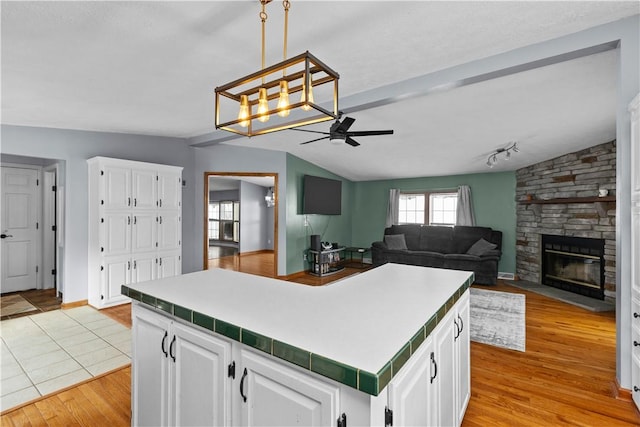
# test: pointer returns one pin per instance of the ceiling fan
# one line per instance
(339, 132)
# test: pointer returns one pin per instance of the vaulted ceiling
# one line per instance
(151, 67)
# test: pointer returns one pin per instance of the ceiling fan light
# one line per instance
(283, 100)
(263, 106)
(337, 139)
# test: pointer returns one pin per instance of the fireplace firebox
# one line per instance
(575, 264)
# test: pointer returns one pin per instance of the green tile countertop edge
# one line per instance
(367, 382)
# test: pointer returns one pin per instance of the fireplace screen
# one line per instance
(574, 264)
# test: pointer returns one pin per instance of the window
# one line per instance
(224, 221)
(431, 207)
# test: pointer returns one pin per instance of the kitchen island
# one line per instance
(218, 347)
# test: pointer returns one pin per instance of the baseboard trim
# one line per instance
(621, 393)
(67, 305)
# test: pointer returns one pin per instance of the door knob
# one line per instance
(4, 236)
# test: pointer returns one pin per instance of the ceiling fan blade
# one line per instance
(311, 131)
(314, 140)
(370, 132)
(345, 125)
(352, 142)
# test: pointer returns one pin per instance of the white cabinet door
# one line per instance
(144, 234)
(411, 390)
(169, 230)
(150, 368)
(144, 188)
(199, 379)
(117, 187)
(144, 267)
(277, 395)
(462, 357)
(444, 375)
(117, 272)
(169, 190)
(116, 234)
(169, 265)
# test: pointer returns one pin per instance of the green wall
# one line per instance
(493, 196)
(364, 209)
(332, 228)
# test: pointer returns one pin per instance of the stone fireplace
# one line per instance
(560, 199)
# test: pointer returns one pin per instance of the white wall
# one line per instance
(253, 218)
(74, 148)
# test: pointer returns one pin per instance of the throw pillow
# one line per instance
(395, 241)
(481, 247)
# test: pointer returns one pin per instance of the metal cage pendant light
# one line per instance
(261, 102)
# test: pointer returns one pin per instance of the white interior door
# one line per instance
(19, 228)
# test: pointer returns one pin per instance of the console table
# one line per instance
(326, 262)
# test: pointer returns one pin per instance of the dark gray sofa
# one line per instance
(443, 247)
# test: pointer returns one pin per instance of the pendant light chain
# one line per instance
(286, 6)
(263, 18)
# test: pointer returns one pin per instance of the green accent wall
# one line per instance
(332, 228)
(492, 194)
(364, 209)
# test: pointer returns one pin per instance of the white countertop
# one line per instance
(361, 321)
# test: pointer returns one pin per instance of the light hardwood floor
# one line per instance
(565, 377)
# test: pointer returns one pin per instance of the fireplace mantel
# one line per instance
(602, 204)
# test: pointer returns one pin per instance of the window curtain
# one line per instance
(392, 209)
(464, 210)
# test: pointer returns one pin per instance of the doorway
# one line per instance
(240, 219)
(30, 218)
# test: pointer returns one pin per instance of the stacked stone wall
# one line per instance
(574, 175)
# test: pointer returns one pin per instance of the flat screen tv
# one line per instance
(321, 196)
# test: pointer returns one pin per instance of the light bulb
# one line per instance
(263, 106)
(243, 114)
(303, 98)
(283, 101)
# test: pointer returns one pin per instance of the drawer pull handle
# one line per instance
(171, 353)
(244, 375)
(636, 315)
(164, 340)
(435, 367)
(636, 389)
(636, 343)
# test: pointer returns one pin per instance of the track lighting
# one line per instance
(493, 157)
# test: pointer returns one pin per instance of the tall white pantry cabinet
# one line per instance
(135, 226)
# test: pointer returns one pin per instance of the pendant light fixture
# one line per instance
(248, 106)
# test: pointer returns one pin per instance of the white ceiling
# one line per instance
(151, 67)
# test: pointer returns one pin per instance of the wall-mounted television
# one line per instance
(321, 196)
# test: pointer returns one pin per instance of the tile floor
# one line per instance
(49, 351)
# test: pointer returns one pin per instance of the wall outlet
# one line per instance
(304, 257)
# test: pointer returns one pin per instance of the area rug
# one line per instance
(498, 318)
(11, 305)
